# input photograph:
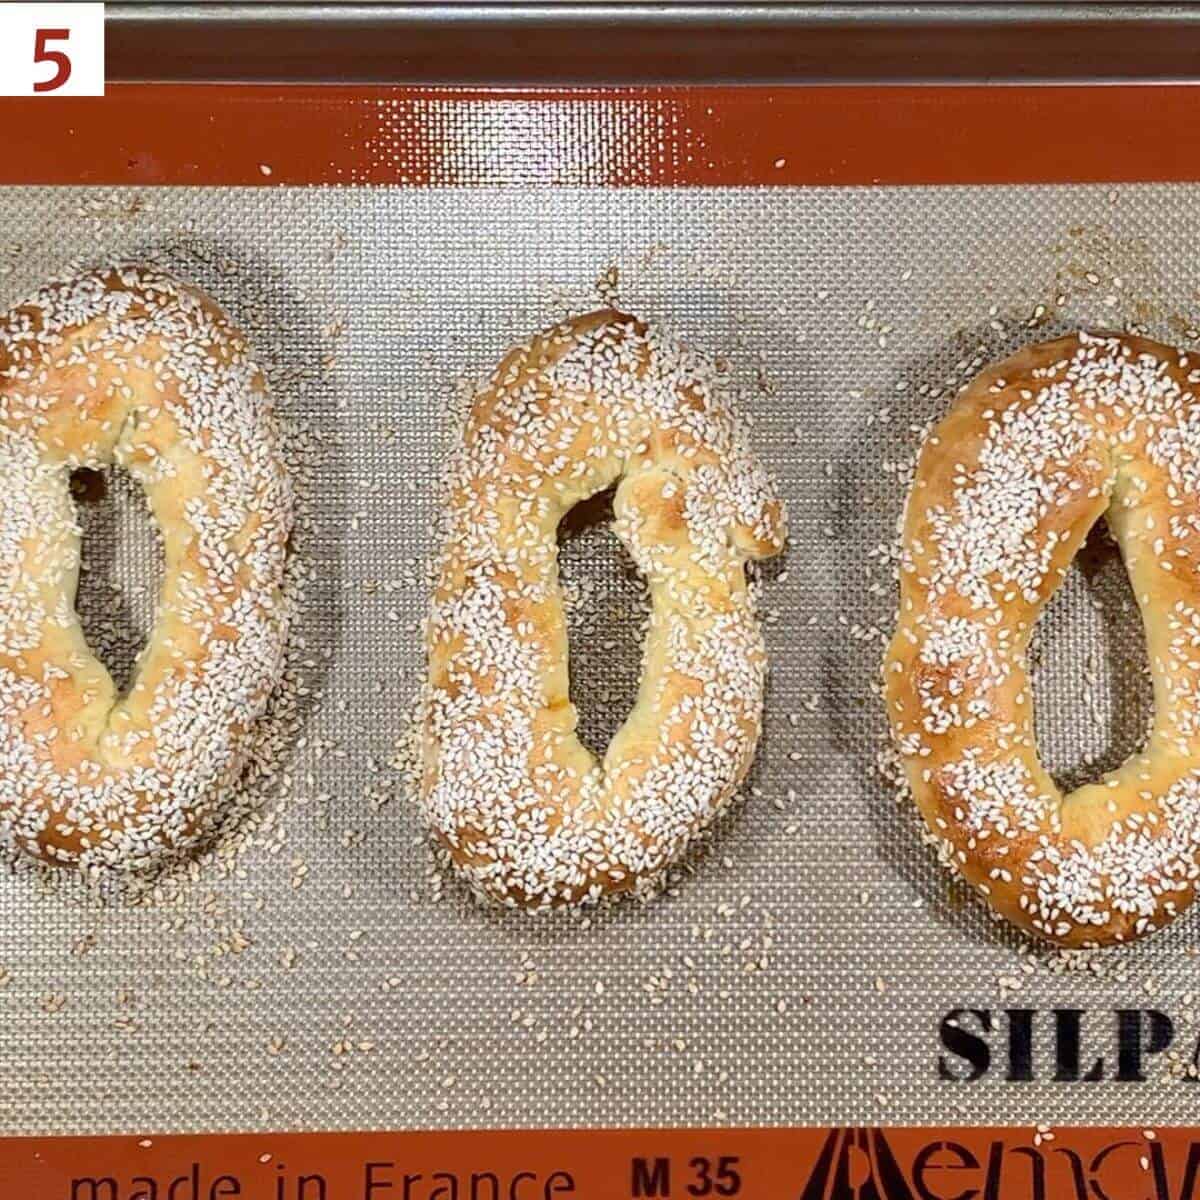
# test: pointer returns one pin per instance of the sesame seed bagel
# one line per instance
(526, 812)
(1007, 486)
(126, 366)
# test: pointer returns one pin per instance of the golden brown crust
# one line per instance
(523, 808)
(1007, 486)
(124, 365)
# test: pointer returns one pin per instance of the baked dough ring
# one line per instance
(127, 366)
(522, 806)
(1007, 486)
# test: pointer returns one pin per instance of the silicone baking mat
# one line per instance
(319, 970)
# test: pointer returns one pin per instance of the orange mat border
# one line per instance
(236, 134)
(759, 1164)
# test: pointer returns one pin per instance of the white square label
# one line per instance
(51, 49)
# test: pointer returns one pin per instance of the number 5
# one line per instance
(62, 64)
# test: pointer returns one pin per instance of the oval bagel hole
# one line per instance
(607, 607)
(121, 568)
(1092, 692)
